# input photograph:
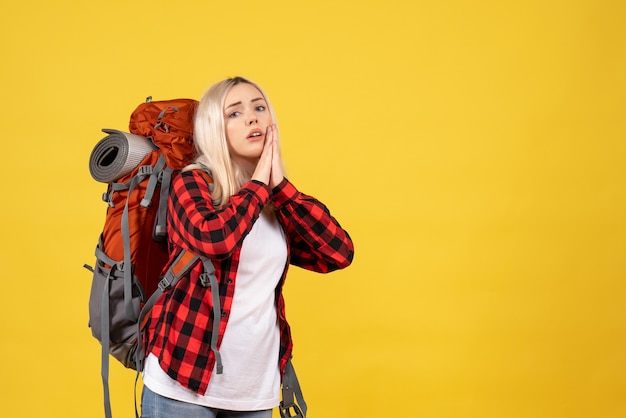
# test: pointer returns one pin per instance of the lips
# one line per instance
(255, 134)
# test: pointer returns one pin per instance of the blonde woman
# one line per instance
(252, 223)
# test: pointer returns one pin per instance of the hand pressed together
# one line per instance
(269, 169)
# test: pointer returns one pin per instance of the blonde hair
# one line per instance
(212, 145)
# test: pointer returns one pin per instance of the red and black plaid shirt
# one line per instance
(181, 322)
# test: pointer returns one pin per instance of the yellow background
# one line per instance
(475, 150)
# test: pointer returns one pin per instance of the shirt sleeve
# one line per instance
(198, 226)
(316, 239)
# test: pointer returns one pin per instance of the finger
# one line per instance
(275, 133)
(277, 174)
(267, 146)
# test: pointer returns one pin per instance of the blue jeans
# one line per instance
(157, 406)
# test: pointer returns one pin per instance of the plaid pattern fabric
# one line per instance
(181, 322)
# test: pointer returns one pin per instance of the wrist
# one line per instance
(283, 192)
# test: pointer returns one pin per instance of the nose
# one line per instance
(252, 120)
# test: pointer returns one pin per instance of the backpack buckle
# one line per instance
(290, 411)
(108, 198)
(144, 170)
(164, 283)
(205, 279)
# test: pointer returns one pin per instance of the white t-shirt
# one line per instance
(250, 348)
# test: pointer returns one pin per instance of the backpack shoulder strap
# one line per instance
(181, 266)
(207, 175)
(291, 392)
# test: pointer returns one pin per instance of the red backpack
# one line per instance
(132, 250)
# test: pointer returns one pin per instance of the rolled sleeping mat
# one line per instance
(117, 154)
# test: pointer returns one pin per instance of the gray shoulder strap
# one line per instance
(160, 227)
(291, 387)
(208, 278)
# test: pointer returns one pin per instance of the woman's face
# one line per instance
(246, 118)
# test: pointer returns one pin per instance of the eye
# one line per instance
(234, 114)
(260, 108)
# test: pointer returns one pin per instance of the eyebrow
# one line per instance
(238, 103)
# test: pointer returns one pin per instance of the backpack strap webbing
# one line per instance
(288, 407)
(105, 339)
(208, 279)
(160, 227)
(154, 173)
(113, 272)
